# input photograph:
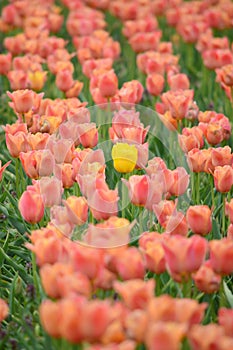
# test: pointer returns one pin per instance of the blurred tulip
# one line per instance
(135, 293)
(130, 264)
(229, 210)
(193, 249)
(4, 310)
(155, 84)
(165, 335)
(225, 319)
(206, 280)
(199, 219)
(5, 63)
(220, 252)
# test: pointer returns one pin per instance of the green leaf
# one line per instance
(228, 294)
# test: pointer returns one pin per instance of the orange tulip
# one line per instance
(223, 178)
(155, 84)
(199, 219)
(225, 319)
(221, 256)
(184, 255)
(165, 335)
(4, 310)
(206, 280)
(77, 209)
(135, 293)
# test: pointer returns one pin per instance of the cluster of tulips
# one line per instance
(105, 288)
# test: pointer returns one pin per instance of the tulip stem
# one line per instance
(123, 200)
(223, 213)
(34, 274)
(17, 164)
(187, 288)
(212, 189)
(193, 186)
(198, 189)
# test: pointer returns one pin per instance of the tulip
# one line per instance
(5, 63)
(165, 335)
(103, 202)
(88, 134)
(152, 249)
(206, 279)
(200, 160)
(206, 337)
(110, 233)
(177, 102)
(48, 250)
(135, 293)
(2, 168)
(31, 206)
(155, 84)
(64, 172)
(64, 80)
(89, 261)
(221, 256)
(51, 190)
(177, 224)
(108, 84)
(222, 156)
(163, 210)
(37, 163)
(50, 312)
(130, 264)
(184, 255)
(75, 90)
(59, 280)
(136, 323)
(62, 149)
(131, 92)
(37, 80)
(230, 232)
(4, 310)
(24, 101)
(223, 178)
(214, 133)
(229, 210)
(180, 181)
(138, 186)
(77, 209)
(60, 220)
(225, 319)
(124, 157)
(199, 219)
(178, 81)
(167, 309)
(141, 42)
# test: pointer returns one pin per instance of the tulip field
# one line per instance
(116, 175)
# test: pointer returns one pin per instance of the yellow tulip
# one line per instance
(124, 157)
(37, 80)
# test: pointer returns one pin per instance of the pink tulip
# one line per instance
(31, 206)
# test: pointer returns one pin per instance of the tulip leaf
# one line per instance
(228, 294)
